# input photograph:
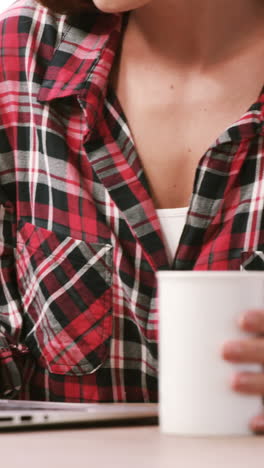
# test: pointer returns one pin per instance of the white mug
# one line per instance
(199, 312)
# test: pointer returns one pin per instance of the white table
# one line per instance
(137, 447)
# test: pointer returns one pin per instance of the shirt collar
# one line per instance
(83, 59)
(81, 64)
(251, 123)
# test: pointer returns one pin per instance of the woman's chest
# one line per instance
(171, 141)
(173, 125)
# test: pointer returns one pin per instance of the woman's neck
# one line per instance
(196, 33)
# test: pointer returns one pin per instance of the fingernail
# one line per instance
(241, 379)
(238, 382)
(232, 350)
(258, 425)
(250, 319)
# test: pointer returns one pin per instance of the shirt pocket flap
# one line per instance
(65, 288)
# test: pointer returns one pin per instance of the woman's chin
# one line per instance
(118, 6)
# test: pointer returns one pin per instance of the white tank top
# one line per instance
(172, 222)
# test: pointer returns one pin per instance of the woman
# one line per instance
(111, 113)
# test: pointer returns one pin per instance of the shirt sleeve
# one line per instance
(10, 306)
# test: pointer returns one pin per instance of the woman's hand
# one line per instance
(245, 351)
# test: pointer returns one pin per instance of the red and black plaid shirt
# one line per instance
(80, 240)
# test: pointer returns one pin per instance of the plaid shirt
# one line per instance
(80, 240)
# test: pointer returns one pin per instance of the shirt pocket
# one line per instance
(252, 260)
(65, 288)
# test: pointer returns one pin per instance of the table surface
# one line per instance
(130, 447)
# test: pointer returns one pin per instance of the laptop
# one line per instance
(23, 415)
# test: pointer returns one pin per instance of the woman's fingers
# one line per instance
(251, 383)
(257, 424)
(249, 350)
(253, 321)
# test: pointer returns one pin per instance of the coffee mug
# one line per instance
(199, 312)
